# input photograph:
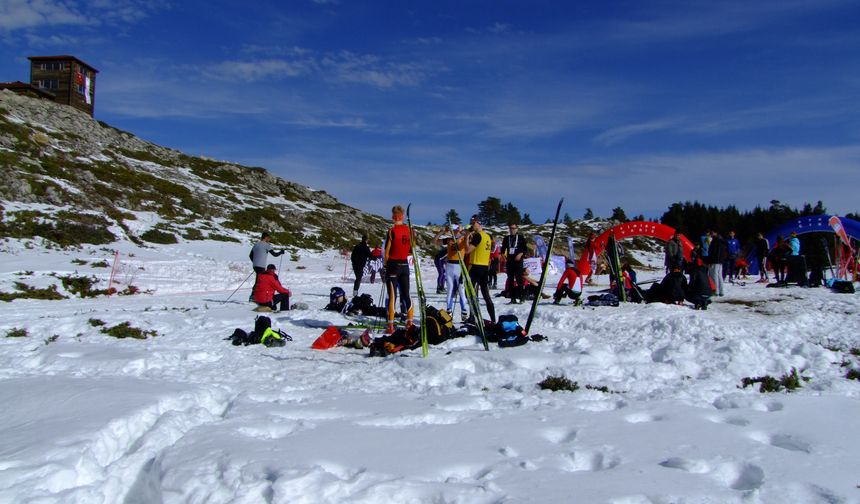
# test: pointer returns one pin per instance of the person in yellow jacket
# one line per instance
(480, 248)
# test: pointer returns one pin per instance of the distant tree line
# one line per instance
(691, 218)
(694, 219)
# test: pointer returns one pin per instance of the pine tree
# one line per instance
(527, 219)
(618, 214)
(452, 217)
(588, 214)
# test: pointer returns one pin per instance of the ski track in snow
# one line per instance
(187, 417)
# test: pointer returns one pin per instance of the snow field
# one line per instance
(187, 417)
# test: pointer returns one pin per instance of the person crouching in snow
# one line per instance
(265, 291)
(701, 288)
(673, 288)
(573, 289)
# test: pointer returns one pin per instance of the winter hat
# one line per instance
(270, 267)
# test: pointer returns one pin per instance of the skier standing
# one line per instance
(359, 257)
(514, 246)
(398, 246)
(479, 248)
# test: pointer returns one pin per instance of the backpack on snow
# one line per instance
(607, 299)
(508, 332)
(439, 325)
(262, 333)
(399, 340)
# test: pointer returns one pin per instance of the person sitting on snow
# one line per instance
(701, 288)
(264, 291)
(673, 287)
(573, 289)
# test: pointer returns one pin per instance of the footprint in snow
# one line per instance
(644, 416)
(730, 420)
(560, 435)
(784, 441)
(600, 459)
(735, 475)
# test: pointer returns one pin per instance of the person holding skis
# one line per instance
(359, 257)
(480, 247)
(514, 248)
(398, 247)
(265, 288)
(454, 249)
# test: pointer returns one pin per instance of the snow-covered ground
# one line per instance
(187, 417)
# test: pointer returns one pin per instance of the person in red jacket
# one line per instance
(266, 288)
(398, 248)
(573, 289)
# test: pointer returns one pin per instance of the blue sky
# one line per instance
(443, 103)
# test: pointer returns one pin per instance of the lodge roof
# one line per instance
(62, 57)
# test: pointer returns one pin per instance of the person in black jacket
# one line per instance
(360, 256)
(514, 249)
(717, 255)
(673, 288)
(699, 289)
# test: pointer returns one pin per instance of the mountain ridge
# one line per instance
(88, 178)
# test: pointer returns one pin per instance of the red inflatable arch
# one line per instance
(641, 228)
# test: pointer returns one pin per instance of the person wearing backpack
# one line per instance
(268, 291)
(359, 257)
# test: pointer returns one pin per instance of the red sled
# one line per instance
(328, 339)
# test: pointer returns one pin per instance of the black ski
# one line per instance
(545, 268)
(422, 300)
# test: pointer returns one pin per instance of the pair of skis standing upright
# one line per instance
(471, 293)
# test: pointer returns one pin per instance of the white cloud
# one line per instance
(28, 14)
(253, 71)
(16, 14)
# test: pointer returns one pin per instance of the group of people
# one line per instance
(726, 261)
(713, 259)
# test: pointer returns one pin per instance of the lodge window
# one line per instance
(51, 66)
(48, 84)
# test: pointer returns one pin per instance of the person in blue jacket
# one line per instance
(733, 248)
(794, 244)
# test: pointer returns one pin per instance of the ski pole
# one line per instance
(237, 288)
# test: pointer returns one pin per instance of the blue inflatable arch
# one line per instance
(813, 224)
(802, 225)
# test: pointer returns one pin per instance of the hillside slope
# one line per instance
(86, 178)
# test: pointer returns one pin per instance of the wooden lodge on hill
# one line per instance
(64, 79)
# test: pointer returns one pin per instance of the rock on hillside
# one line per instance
(70, 179)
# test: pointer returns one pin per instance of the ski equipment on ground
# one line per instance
(471, 294)
(422, 300)
(545, 268)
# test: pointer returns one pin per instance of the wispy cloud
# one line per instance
(618, 134)
(16, 14)
(344, 66)
(28, 14)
